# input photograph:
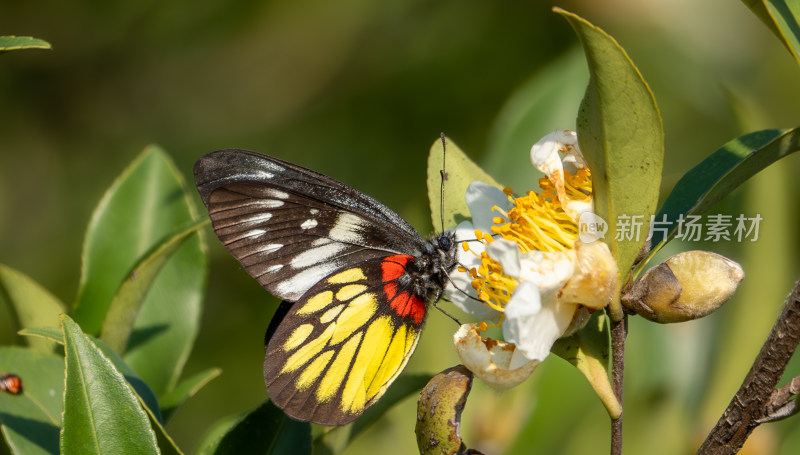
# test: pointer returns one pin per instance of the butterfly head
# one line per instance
(434, 265)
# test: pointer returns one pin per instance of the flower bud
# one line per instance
(686, 286)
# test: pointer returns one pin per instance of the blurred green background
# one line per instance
(359, 90)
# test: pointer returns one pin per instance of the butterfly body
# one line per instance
(356, 279)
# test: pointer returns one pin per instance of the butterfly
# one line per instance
(355, 278)
(11, 383)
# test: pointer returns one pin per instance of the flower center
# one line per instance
(538, 222)
(493, 286)
(535, 222)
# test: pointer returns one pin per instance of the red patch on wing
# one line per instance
(394, 266)
(408, 305)
(390, 289)
(403, 303)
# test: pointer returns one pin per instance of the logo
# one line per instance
(591, 227)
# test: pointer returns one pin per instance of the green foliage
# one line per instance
(101, 412)
(782, 18)
(588, 351)
(127, 302)
(31, 421)
(620, 132)
(723, 171)
(186, 389)
(109, 405)
(266, 430)
(141, 387)
(13, 43)
(143, 210)
(33, 305)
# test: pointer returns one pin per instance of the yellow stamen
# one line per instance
(494, 288)
(539, 222)
(535, 222)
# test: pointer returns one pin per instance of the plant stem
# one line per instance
(619, 330)
(757, 401)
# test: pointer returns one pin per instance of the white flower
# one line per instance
(523, 264)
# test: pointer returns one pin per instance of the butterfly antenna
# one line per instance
(435, 304)
(443, 173)
(467, 294)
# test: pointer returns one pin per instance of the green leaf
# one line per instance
(129, 298)
(460, 171)
(101, 412)
(621, 136)
(144, 205)
(782, 18)
(722, 172)
(141, 387)
(185, 390)
(265, 430)
(30, 421)
(439, 410)
(545, 103)
(49, 333)
(33, 305)
(212, 436)
(13, 43)
(588, 351)
(165, 443)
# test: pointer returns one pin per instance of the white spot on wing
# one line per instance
(274, 268)
(258, 217)
(277, 193)
(314, 211)
(347, 229)
(269, 248)
(317, 255)
(309, 223)
(271, 203)
(298, 284)
(253, 233)
(321, 241)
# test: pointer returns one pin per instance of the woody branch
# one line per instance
(758, 401)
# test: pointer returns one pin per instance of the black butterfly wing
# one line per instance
(290, 227)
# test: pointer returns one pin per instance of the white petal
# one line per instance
(576, 208)
(507, 254)
(481, 197)
(491, 360)
(460, 290)
(534, 322)
(467, 301)
(545, 157)
(547, 270)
